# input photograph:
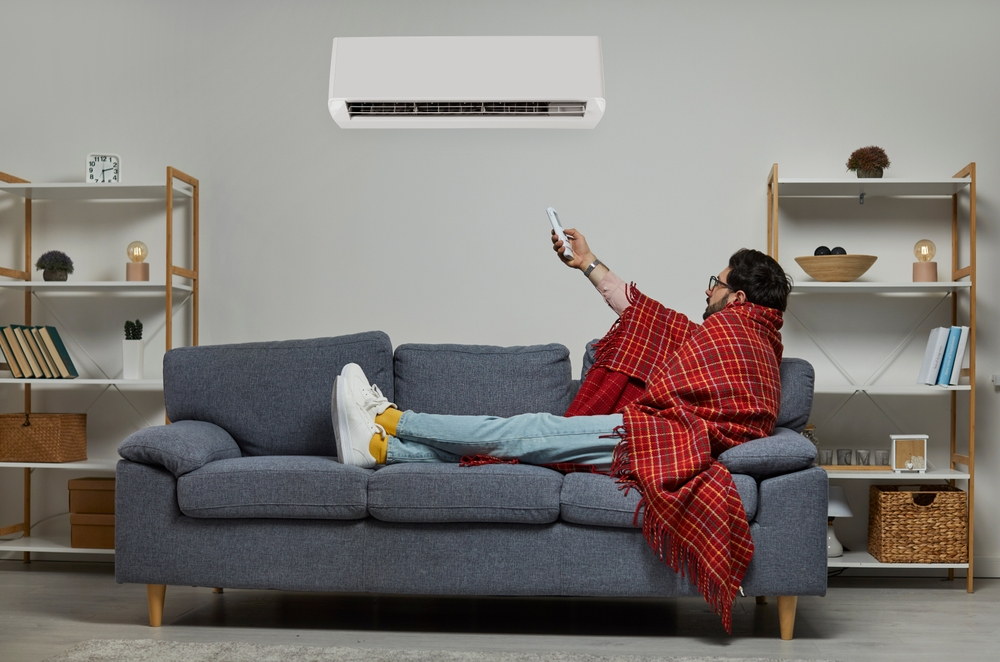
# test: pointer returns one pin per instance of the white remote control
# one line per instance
(554, 220)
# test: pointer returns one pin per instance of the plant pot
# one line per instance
(55, 274)
(870, 174)
(132, 359)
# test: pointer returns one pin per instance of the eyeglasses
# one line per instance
(714, 282)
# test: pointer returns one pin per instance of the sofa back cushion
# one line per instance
(272, 397)
(483, 380)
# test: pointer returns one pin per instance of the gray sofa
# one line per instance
(241, 491)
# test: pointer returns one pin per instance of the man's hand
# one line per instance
(582, 257)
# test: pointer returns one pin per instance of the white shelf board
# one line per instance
(83, 191)
(888, 389)
(866, 560)
(930, 474)
(97, 286)
(80, 381)
(877, 287)
(86, 465)
(853, 188)
(49, 536)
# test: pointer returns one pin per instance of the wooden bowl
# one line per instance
(836, 268)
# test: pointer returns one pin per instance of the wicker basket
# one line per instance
(918, 524)
(43, 437)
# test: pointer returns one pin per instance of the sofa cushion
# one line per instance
(433, 492)
(272, 397)
(280, 486)
(483, 380)
(797, 381)
(783, 452)
(595, 500)
(180, 447)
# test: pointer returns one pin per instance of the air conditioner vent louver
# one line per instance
(465, 108)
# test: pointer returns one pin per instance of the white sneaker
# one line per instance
(355, 405)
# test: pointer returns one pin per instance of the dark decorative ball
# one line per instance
(837, 250)
(822, 250)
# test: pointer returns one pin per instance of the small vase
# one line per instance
(132, 359)
(54, 274)
(870, 174)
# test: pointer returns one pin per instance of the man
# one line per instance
(664, 398)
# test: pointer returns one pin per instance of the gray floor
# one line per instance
(45, 607)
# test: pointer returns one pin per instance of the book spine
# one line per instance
(8, 354)
(963, 346)
(940, 336)
(948, 360)
(15, 346)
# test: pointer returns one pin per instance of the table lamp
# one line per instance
(838, 507)
(924, 269)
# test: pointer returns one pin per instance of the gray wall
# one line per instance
(441, 236)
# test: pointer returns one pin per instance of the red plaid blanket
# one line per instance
(708, 388)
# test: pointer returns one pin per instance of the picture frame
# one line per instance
(909, 453)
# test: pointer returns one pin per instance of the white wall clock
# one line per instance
(104, 169)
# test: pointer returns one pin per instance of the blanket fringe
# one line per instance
(480, 460)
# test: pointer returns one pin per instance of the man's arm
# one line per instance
(611, 287)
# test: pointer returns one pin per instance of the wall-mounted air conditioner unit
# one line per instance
(466, 82)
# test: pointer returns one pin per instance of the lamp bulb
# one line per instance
(925, 250)
(137, 251)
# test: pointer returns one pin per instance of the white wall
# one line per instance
(441, 236)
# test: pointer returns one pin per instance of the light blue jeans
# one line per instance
(531, 438)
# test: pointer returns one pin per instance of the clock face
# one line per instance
(103, 169)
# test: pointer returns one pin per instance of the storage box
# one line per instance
(909, 453)
(92, 495)
(92, 531)
(918, 524)
(43, 437)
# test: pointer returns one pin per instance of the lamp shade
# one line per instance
(838, 506)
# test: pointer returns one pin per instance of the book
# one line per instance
(26, 350)
(948, 359)
(931, 366)
(15, 347)
(9, 356)
(45, 352)
(58, 351)
(37, 352)
(963, 345)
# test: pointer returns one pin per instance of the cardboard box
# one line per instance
(92, 495)
(92, 531)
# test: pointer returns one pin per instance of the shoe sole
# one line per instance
(340, 431)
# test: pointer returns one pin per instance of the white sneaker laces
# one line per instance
(375, 401)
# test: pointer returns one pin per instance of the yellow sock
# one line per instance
(378, 447)
(389, 419)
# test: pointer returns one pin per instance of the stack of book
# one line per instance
(944, 356)
(36, 352)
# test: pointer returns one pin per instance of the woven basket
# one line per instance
(43, 437)
(918, 524)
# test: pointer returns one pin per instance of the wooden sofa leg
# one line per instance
(217, 589)
(786, 615)
(155, 594)
(762, 599)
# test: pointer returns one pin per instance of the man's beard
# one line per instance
(715, 307)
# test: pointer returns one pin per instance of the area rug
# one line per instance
(143, 650)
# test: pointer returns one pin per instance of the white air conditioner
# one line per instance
(466, 82)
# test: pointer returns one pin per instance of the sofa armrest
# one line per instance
(783, 452)
(180, 447)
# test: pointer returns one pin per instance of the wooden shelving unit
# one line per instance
(55, 532)
(960, 282)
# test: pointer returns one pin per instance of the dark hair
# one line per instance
(760, 277)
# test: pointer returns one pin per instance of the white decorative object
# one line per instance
(104, 169)
(909, 453)
(837, 507)
(132, 359)
(467, 82)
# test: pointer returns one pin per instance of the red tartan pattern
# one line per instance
(711, 388)
(605, 391)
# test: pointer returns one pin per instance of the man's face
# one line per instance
(719, 296)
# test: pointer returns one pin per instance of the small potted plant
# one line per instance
(869, 162)
(132, 354)
(54, 265)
